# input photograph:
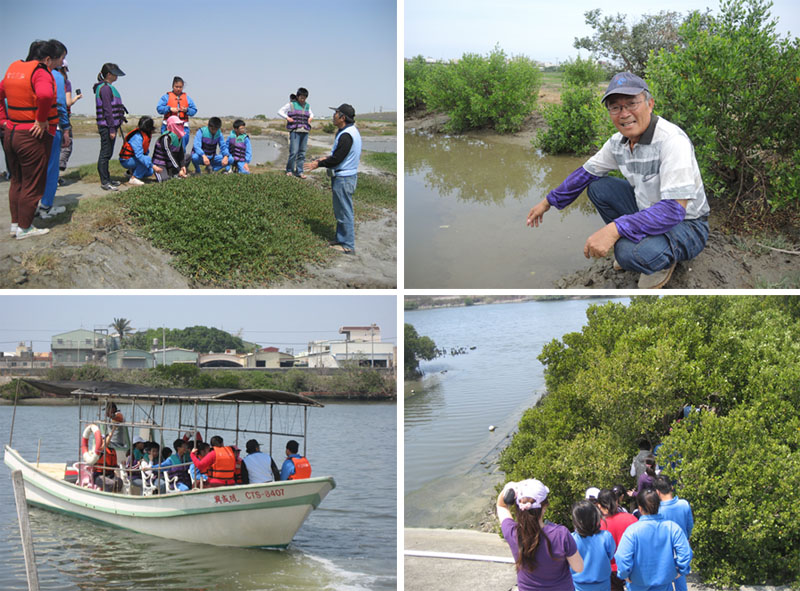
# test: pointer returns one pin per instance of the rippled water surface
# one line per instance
(348, 543)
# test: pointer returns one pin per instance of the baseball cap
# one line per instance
(531, 489)
(625, 83)
(252, 446)
(592, 492)
(346, 110)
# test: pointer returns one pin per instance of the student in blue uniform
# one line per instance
(239, 148)
(135, 151)
(206, 141)
(677, 510)
(595, 546)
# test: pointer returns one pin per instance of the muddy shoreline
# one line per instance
(729, 261)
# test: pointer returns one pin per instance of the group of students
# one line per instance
(35, 101)
(648, 548)
(190, 464)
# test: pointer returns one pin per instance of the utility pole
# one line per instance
(372, 338)
(164, 346)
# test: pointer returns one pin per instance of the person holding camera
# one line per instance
(543, 551)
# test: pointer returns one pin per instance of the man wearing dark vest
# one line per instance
(295, 466)
(342, 167)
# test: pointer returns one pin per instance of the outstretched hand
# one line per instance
(537, 212)
(601, 242)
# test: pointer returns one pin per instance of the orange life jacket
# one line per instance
(174, 100)
(302, 469)
(127, 151)
(224, 466)
(108, 459)
(21, 98)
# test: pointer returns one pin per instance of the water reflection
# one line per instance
(466, 202)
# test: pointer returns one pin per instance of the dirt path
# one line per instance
(116, 258)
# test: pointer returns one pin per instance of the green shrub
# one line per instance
(583, 72)
(485, 91)
(629, 373)
(415, 76)
(579, 125)
(328, 127)
(733, 88)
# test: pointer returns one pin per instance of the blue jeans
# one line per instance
(106, 151)
(613, 198)
(216, 161)
(237, 166)
(343, 188)
(297, 152)
(140, 170)
(52, 172)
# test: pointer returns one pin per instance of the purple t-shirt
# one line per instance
(552, 571)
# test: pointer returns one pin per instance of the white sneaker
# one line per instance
(135, 181)
(51, 212)
(32, 231)
(658, 279)
(14, 228)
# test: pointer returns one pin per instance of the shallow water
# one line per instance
(449, 450)
(466, 203)
(348, 543)
(87, 148)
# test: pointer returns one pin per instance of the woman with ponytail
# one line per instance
(110, 116)
(616, 522)
(544, 552)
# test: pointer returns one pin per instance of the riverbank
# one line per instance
(731, 259)
(94, 245)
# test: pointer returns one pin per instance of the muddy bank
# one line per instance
(113, 256)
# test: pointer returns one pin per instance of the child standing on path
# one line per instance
(298, 115)
(595, 546)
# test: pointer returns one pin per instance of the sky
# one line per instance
(269, 320)
(238, 57)
(543, 30)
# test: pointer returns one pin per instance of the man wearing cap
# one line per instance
(258, 466)
(342, 166)
(658, 215)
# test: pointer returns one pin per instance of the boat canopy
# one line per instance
(126, 392)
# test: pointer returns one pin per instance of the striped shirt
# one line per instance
(661, 166)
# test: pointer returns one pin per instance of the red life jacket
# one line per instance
(127, 151)
(108, 459)
(224, 467)
(21, 98)
(174, 100)
(302, 469)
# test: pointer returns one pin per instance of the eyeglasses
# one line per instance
(631, 107)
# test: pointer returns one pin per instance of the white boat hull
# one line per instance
(249, 515)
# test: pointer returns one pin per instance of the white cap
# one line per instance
(592, 492)
(137, 439)
(531, 489)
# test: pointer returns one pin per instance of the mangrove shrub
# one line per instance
(485, 91)
(733, 87)
(416, 348)
(632, 371)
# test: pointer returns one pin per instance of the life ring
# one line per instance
(91, 456)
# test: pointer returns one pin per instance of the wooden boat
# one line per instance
(266, 515)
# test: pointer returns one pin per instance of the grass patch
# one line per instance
(786, 282)
(386, 161)
(377, 194)
(236, 230)
(36, 262)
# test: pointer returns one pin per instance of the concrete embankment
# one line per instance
(446, 574)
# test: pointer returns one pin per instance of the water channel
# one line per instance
(87, 148)
(466, 202)
(450, 471)
(348, 543)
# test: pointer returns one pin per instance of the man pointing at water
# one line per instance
(658, 215)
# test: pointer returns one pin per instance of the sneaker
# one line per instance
(32, 231)
(14, 229)
(50, 212)
(60, 182)
(616, 265)
(656, 280)
(108, 187)
(115, 183)
(135, 181)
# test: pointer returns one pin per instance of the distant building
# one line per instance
(270, 358)
(221, 360)
(361, 344)
(130, 359)
(25, 358)
(175, 355)
(79, 347)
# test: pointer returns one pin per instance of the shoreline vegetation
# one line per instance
(414, 302)
(348, 383)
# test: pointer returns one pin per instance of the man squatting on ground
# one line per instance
(658, 215)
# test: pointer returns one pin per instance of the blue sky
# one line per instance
(238, 57)
(269, 320)
(540, 29)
